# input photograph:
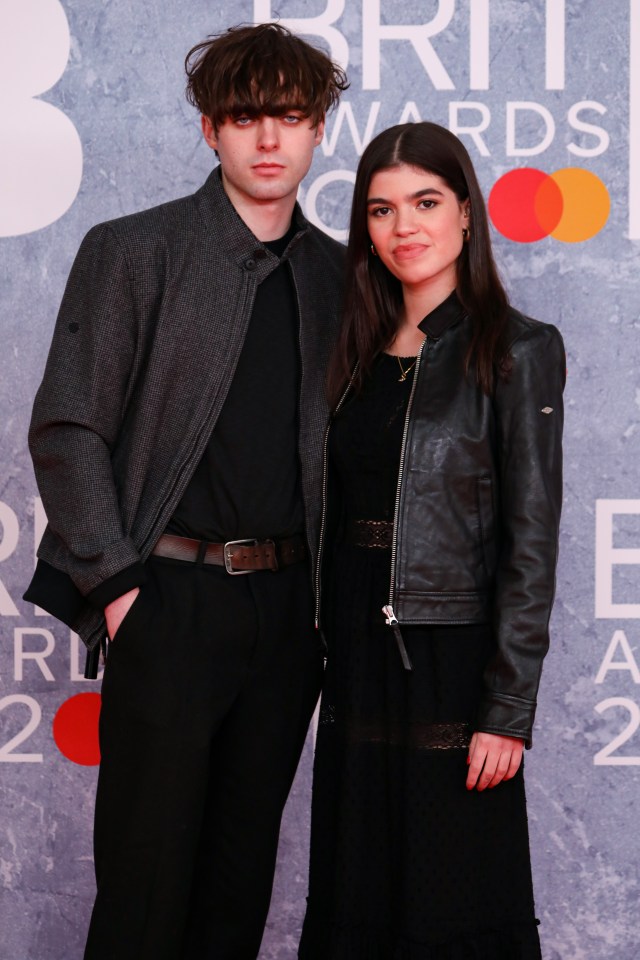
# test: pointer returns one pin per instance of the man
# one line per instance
(177, 442)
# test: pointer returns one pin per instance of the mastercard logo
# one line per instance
(570, 205)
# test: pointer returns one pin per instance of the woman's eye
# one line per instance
(380, 212)
(427, 204)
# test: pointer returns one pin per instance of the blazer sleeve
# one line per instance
(78, 412)
(529, 414)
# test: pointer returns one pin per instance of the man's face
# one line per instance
(263, 158)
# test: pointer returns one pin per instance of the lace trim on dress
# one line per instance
(455, 735)
(327, 714)
(516, 942)
(370, 533)
(419, 736)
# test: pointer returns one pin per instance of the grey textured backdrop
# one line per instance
(121, 89)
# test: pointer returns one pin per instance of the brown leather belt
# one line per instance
(236, 556)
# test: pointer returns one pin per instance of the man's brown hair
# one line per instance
(263, 69)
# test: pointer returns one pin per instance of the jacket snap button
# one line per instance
(250, 264)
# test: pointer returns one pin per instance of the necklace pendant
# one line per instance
(403, 372)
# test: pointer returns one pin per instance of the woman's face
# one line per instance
(415, 223)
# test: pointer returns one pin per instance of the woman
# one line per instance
(443, 501)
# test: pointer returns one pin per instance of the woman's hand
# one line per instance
(492, 758)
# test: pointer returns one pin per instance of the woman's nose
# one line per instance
(405, 222)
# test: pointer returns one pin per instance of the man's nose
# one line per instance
(267, 133)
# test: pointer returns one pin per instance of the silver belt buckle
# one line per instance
(228, 560)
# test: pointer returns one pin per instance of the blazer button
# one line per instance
(250, 264)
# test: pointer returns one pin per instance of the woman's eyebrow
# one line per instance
(428, 191)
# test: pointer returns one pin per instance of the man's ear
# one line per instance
(319, 132)
(209, 132)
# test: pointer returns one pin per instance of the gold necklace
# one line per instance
(403, 372)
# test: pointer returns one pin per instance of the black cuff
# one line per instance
(509, 716)
(55, 592)
(117, 585)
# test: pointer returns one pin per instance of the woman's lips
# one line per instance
(409, 251)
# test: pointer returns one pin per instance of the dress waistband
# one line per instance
(372, 534)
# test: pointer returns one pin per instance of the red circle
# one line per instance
(525, 205)
(75, 729)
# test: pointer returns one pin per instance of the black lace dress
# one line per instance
(406, 864)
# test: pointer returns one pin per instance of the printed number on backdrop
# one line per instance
(606, 756)
(7, 750)
(40, 150)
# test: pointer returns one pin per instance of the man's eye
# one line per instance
(243, 121)
(291, 119)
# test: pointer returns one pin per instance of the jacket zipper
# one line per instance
(323, 518)
(390, 618)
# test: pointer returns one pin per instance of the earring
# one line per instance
(465, 234)
(373, 250)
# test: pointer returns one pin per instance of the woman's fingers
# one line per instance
(492, 758)
(516, 760)
(477, 758)
(502, 768)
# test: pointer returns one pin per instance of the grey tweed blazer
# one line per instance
(149, 332)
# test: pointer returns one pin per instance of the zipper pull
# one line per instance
(392, 621)
(390, 617)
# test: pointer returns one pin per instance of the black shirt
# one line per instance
(247, 483)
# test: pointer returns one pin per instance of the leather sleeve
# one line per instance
(529, 416)
(78, 412)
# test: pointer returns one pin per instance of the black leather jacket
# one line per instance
(478, 505)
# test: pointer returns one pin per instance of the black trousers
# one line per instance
(209, 687)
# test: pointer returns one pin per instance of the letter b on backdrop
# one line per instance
(40, 150)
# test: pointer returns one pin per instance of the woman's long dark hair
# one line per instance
(373, 300)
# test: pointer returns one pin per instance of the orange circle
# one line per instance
(586, 204)
(75, 729)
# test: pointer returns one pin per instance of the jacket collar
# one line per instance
(219, 214)
(445, 315)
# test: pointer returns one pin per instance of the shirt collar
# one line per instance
(231, 231)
